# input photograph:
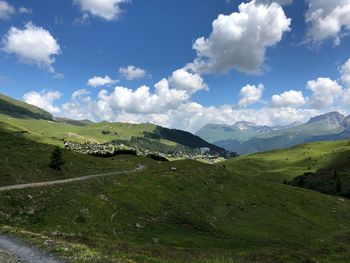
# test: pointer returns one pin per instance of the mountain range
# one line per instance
(245, 137)
(242, 137)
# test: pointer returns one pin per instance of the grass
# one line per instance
(198, 213)
(54, 132)
(285, 164)
(133, 135)
(23, 160)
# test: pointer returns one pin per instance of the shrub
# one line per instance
(56, 159)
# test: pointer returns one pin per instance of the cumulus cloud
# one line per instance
(250, 94)
(6, 10)
(345, 77)
(142, 100)
(291, 98)
(172, 108)
(328, 20)
(79, 94)
(281, 2)
(127, 106)
(239, 41)
(106, 9)
(346, 96)
(183, 79)
(101, 81)
(32, 45)
(345, 73)
(131, 72)
(44, 100)
(324, 92)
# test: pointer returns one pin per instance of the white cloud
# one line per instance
(171, 108)
(44, 100)
(345, 77)
(193, 116)
(141, 100)
(346, 96)
(101, 81)
(182, 79)
(289, 98)
(324, 92)
(345, 73)
(106, 9)
(25, 10)
(250, 94)
(131, 72)
(122, 103)
(32, 45)
(6, 10)
(79, 94)
(328, 20)
(239, 41)
(281, 2)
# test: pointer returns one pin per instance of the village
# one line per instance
(111, 149)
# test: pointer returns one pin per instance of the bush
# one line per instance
(56, 159)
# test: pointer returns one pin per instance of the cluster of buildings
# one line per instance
(93, 148)
(90, 147)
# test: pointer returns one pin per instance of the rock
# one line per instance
(48, 242)
(30, 211)
(103, 197)
(155, 240)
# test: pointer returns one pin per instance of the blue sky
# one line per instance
(286, 69)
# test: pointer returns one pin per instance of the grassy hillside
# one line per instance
(280, 165)
(143, 136)
(39, 125)
(333, 178)
(19, 109)
(199, 213)
(73, 122)
(23, 160)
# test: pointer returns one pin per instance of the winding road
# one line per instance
(65, 181)
(13, 250)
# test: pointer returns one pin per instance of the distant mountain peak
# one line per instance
(346, 122)
(332, 119)
(243, 125)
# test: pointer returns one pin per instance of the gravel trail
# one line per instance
(65, 181)
(13, 250)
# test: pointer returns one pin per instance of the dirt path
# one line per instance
(15, 251)
(83, 178)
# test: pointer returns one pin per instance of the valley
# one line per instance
(233, 211)
(246, 137)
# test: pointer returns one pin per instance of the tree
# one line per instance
(56, 159)
(338, 185)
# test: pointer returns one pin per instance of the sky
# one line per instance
(180, 64)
